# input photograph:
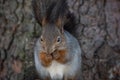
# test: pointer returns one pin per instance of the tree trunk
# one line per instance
(97, 29)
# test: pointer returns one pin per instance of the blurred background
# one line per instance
(97, 29)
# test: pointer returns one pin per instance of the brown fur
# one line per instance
(60, 56)
(45, 59)
(47, 78)
(44, 22)
(72, 78)
(59, 22)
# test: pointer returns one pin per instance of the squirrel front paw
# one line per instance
(56, 55)
(60, 56)
(46, 59)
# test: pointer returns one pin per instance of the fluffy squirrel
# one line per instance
(57, 53)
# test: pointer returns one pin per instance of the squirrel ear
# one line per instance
(60, 24)
(39, 10)
(44, 21)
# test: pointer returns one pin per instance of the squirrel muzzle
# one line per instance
(50, 51)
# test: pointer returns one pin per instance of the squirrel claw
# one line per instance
(45, 59)
(60, 56)
(56, 55)
(48, 57)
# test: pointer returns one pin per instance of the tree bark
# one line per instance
(97, 30)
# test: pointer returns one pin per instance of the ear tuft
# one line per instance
(60, 24)
(44, 22)
(39, 10)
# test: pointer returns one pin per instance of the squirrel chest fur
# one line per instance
(57, 53)
(56, 70)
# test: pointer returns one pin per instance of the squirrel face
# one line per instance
(52, 38)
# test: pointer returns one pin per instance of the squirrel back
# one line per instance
(57, 53)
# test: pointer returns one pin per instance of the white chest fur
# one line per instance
(56, 70)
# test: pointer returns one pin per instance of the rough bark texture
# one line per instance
(97, 29)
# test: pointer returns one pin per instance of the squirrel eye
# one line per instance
(41, 39)
(58, 39)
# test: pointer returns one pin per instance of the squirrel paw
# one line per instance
(56, 55)
(60, 56)
(45, 59)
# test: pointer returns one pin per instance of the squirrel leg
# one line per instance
(71, 78)
(47, 78)
(45, 59)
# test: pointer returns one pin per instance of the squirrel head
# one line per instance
(51, 15)
(52, 36)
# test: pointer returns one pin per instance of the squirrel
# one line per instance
(57, 52)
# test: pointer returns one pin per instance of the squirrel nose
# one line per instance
(50, 51)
